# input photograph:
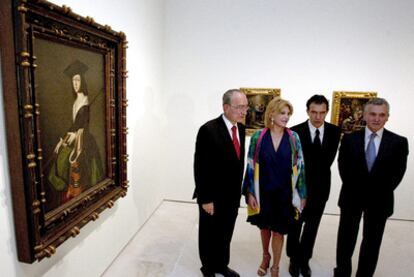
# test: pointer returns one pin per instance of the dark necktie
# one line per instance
(235, 141)
(370, 153)
(317, 140)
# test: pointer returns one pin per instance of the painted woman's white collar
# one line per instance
(81, 100)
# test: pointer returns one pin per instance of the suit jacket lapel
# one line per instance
(383, 148)
(326, 135)
(227, 139)
(307, 134)
(360, 145)
(241, 129)
(224, 132)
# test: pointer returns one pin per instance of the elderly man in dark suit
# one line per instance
(372, 163)
(218, 173)
(320, 141)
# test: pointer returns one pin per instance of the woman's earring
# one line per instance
(272, 121)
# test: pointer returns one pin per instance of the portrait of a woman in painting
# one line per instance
(76, 163)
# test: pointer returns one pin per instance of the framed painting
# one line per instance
(258, 99)
(347, 109)
(64, 84)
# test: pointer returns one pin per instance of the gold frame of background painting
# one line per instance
(347, 109)
(258, 99)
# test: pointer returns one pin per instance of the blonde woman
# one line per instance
(274, 185)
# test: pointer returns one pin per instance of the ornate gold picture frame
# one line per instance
(258, 99)
(347, 109)
(64, 84)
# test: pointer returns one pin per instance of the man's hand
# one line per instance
(71, 136)
(57, 148)
(208, 208)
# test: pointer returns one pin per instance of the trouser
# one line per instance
(373, 230)
(214, 237)
(302, 236)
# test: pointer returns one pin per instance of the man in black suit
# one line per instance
(319, 141)
(372, 163)
(218, 173)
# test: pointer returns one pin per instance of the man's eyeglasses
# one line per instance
(241, 107)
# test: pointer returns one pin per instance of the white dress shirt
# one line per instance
(312, 130)
(229, 125)
(377, 139)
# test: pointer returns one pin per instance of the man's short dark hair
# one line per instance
(317, 99)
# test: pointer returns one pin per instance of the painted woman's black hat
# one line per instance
(77, 67)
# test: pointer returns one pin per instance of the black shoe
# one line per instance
(305, 270)
(294, 269)
(228, 272)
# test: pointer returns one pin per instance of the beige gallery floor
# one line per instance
(167, 246)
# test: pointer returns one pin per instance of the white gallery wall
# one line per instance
(93, 250)
(303, 47)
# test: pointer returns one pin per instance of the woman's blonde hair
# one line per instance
(275, 106)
